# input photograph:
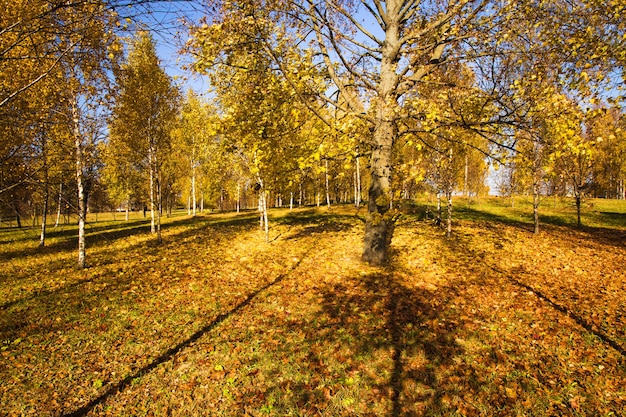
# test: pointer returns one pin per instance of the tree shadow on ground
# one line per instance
(398, 331)
(192, 228)
(460, 244)
(170, 353)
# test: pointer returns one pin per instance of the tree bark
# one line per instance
(56, 223)
(578, 207)
(327, 183)
(357, 189)
(46, 196)
(155, 194)
(536, 206)
(449, 219)
(379, 224)
(193, 180)
(80, 185)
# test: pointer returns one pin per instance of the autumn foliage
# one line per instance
(492, 321)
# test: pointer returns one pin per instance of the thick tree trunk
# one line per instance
(379, 224)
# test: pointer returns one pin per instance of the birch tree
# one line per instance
(143, 116)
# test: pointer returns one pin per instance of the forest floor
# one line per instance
(494, 321)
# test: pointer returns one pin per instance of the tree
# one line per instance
(262, 122)
(608, 126)
(143, 116)
(372, 65)
(574, 150)
(377, 53)
(89, 50)
(195, 131)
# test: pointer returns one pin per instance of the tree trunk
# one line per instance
(238, 198)
(578, 206)
(536, 206)
(46, 196)
(357, 191)
(439, 215)
(193, 183)
(449, 219)
(465, 179)
(80, 185)
(265, 221)
(152, 196)
(155, 194)
(379, 224)
(327, 183)
(56, 223)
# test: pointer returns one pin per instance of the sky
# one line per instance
(165, 21)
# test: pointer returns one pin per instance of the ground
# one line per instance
(492, 321)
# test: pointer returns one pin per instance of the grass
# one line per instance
(493, 321)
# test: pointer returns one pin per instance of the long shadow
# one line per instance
(174, 350)
(312, 221)
(66, 239)
(397, 319)
(457, 244)
(194, 226)
(605, 235)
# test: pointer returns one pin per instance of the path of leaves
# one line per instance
(494, 321)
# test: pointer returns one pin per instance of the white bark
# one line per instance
(80, 163)
(327, 183)
(56, 223)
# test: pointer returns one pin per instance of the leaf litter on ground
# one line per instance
(215, 319)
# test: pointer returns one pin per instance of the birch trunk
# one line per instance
(42, 236)
(193, 181)
(80, 185)
(327, 183)
(58, 219)
(155, 194)
(449, 219)
(238, 198)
